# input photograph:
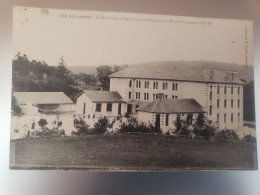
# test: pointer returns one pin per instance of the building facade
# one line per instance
(99, 104)
(166, 114)
(33, 103)
(219, 92)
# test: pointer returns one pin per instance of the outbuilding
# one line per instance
(100, 103)
(166, 113)
(33, 103)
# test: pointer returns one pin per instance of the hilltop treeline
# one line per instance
(30, 76)
(39, 76)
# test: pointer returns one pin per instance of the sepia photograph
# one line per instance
(131, 92)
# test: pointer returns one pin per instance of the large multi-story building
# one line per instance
(220, 93)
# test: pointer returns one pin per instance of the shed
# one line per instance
(43, 102)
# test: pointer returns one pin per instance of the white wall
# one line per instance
(91, 107)
(120, 85)
(228, 110)
(192, 90)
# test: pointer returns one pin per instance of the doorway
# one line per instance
(119, 109)
(129, 108)
(157, 121)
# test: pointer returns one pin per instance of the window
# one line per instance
(210, 110)
(98, 107)
(154, 96)
(225, 103)
(165, 85)
(232, 118)
(217, 118)
(218, 89)
(217, 103)
(238, 103)
(146, 96)
(238, 117)
(238, 90)
(210, 95)
(130, 83)
(109, 107)
(175, 86)
(210, 86)
(138, 84)
(137, 95)
(174, 97)
(165, 96)
(225, 118)
(146, 84)
(155, 85)
(225, 90)
(130, 95)
(84, 108)
(167, 120)
(189, 119)
(232, 102)
(232, 90)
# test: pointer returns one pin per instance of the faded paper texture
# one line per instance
(124, 91)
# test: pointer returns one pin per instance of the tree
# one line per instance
(204, 128)
(42, 123)
(102, 75)
(249, 101)
(39, 76)
(62, 71)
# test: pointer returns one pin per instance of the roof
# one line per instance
(42, 98)
(102, 96)
(177, 74)
(172, 106)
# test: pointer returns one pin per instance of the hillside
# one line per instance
(245, 72)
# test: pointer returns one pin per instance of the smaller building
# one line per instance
(166, 113)
(32, 103)
(100, 103)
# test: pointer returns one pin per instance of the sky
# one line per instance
(87, 38)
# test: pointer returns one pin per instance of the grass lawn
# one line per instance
(131, 152)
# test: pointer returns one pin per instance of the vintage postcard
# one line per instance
(124, 91)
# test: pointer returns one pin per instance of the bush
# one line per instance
(226, 136)
(183, 129)
(127, 115)
(84, 129)
(249, 138)
(138, 127)
(81, 126)
(101, 126)
(50, 132)
(46, 132)
(205, 129)
(42, 123)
